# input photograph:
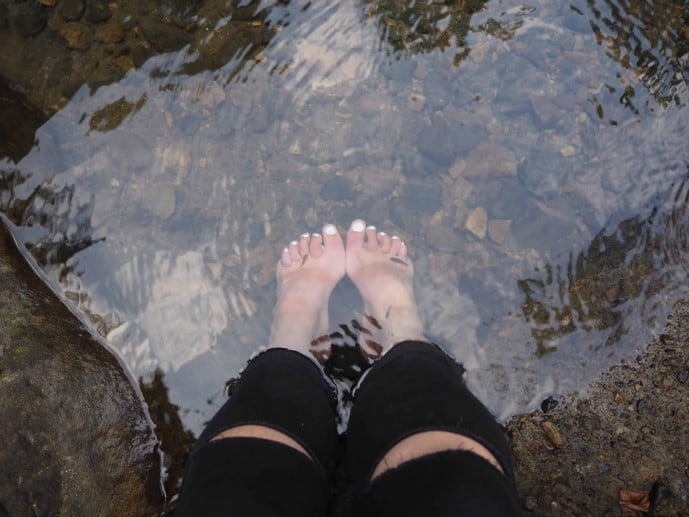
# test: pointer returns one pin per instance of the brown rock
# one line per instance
(477, 222)
(376, 180)
(123, 62)
(110, 33)
(552, 433)
(76, 35)
(490, 159)
(443, 238)
(498, 230)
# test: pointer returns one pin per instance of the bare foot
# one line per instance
(379, 267)
(307, 273)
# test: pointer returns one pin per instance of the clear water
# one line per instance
(555, 131)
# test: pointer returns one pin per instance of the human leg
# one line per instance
(269, 448)
(416, 436)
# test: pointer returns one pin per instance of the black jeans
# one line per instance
(415, 387)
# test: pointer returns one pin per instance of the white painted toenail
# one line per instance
(285, 250)
(305, 235)
(294, 243)
(395, 237)
(382, 234)
(330, 230)
(315, 235)
(358, 226)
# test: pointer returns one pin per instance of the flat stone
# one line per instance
(76, 35)
(377, 180)
(72, 10)
(31, 19)
(545, 110)
(422, 197)
(477, 222)
(444, 144)
(544, 171)
(498, 230)
(110, 33)
(490, 159)
(98, 11)
(461, 191)
(159, 199)
(163, 36)
(443, 238)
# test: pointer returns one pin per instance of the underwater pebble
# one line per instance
(498, 230)
(339, 188)
(477, 222)
(552, 433)
(31, 19)
(110, 33)
(76, 35)
(72, 10)
(98, 11)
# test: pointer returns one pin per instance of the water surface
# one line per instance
(533, 156)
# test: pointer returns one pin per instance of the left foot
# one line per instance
(307, 272)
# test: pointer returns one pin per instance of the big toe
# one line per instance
(355, 234)
(332, 239)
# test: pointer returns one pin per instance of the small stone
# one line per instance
(457, 168)
(462, 191)
(444, 144)
(72, 10)
(98, 11)
(76, 35)
(443, 238)
(160, 200)
(31, 19)
(479, 52)
(490, 159)
(124, 63)
(498, 230)
(477, 222)
(552, 433)
(617, 397)
(682, 376)
(164, 37)
(377, 180)
(417, 102)
(110, 33)
(545, 110)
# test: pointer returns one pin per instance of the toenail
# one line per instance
(330, 230)
(285, 250)
(382, 234)
(358, 226)
(395, 237)
(371, 227)
(305, 235)
(315, 235)
(294, 243)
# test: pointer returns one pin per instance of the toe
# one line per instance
(355, 235)
(285, 259)
(331, 237)
(316, 245)
(395, 246)
(371, 238)
(294, 251)
(304, 244)
(403, 251)
(384, 242)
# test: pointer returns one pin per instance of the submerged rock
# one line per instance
(76, 438)
(31, 19)
(72, 10)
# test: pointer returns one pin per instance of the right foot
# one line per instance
(380, 268)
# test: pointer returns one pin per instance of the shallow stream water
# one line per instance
(534, 156)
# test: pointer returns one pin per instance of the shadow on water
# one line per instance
(513, 147)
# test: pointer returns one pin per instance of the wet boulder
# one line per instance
(76, 437)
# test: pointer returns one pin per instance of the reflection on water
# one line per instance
(533, 157)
